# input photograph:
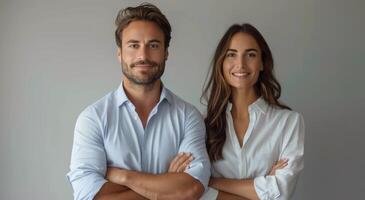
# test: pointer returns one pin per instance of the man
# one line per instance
(132, 143)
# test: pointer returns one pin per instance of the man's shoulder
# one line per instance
(180, 104)
(102, 105)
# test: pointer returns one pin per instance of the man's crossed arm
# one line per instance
(175, 184)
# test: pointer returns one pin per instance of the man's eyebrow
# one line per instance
(154, 40)
(132, 41)
(150, 41)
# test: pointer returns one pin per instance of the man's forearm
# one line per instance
(164, 186)
(112, 191)
(243, 188)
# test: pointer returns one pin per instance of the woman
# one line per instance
(255, 142)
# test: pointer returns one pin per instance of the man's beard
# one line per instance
(153, 75)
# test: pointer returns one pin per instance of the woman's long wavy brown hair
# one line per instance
(217, 92)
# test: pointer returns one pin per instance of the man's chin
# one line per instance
(143, 81)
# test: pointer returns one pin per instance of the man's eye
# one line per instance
(154, 46)
(134, 46)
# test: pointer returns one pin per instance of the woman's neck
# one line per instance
(241, 100)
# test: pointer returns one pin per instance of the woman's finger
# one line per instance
(278, 165)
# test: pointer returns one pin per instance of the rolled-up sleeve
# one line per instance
(210, 194)
(282, 185)
(194, 142)
(88, 160)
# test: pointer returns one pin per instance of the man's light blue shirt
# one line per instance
(110, 133)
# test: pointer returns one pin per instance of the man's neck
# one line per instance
(143, 97)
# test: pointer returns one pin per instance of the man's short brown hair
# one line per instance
(144, 11)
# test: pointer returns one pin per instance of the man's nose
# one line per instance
(142, 53)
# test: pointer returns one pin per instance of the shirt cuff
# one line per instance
(201, 172)
(210, 194)
(266, 187)
(96, 188)
(85, 188)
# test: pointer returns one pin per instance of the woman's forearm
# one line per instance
(228, 196)
(240, 187)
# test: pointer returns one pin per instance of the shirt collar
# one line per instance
(259, 105)
(121, 96)
(166, 94)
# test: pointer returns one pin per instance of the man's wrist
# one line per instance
(122, 177)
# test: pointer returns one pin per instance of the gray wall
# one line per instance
(57, 57)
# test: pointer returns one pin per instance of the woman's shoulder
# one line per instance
(285, 114)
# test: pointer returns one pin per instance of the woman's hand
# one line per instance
(278, 165)
(181, 162)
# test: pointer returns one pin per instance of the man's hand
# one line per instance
(278, 165)
(158, 186)
(181, 162)
(116, 175)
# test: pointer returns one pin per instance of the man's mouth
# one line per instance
(143, 65)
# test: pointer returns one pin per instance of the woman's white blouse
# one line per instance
(272, 134)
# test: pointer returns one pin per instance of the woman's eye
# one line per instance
(251, 55)
(230, 55)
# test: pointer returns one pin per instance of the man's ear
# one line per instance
(166, 54)
(119, 54)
